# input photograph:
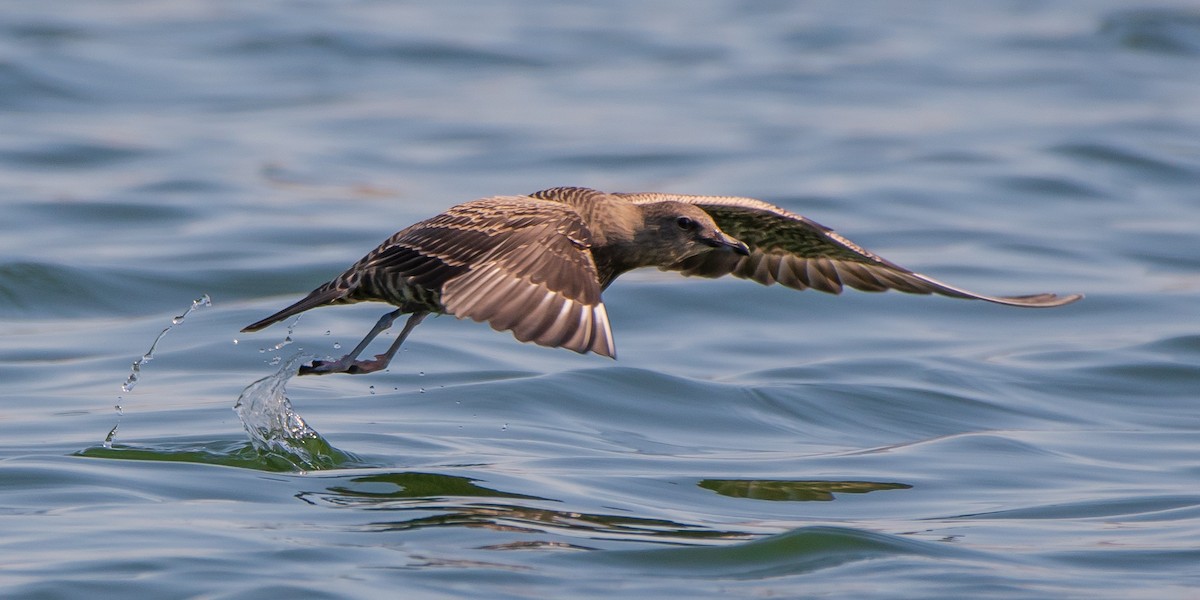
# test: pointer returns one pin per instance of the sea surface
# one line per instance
(192, 166)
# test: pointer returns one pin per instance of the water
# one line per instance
(135, 371)
(750, 442)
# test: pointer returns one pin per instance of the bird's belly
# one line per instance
(400, 291)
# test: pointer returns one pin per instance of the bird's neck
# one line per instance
(617, 247)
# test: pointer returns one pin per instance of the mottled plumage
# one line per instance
(536, 265)
(799, 253)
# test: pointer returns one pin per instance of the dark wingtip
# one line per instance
(1041, 300)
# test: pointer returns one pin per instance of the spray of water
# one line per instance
(135, 371)
(275, 427)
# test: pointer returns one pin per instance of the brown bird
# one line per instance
(536, 265)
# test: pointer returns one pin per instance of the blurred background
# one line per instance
(749, 442)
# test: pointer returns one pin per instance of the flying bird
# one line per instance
(536, 265)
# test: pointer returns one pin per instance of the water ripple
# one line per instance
(73, 155)
(803, 550)
(1111, 154)
(1166, 30)
(367, 47)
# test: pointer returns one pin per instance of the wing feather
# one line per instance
(535, 278)
(809, 254)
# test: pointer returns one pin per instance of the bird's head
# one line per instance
(675, 231)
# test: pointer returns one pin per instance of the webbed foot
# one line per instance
(351, 367)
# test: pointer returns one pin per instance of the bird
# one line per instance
(536, 264)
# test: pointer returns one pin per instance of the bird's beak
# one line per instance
(723, 240)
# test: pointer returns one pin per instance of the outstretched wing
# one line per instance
(799, 253)
(527, 268)
(518, 263)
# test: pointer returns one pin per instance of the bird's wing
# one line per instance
(519, 263)
(799, 253)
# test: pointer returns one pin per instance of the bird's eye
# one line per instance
(685, 223)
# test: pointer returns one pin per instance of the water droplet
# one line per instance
(422, 390)
(337, 345)
(135, 369)
(504, 427)
(326, 332)
(108, 439)
(286, 340)
(235, 341)
(421, 374)
(372, 390)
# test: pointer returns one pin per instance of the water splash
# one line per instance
(275, 428)
(112, 433)
(287, 339)
(135, 372)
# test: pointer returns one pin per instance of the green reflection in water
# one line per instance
(794, 491)
(317, 454)
(429, 500)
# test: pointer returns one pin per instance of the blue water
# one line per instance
(750, 442)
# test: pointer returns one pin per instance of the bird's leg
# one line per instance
(381, 360)
(349, 364)
(343, 364)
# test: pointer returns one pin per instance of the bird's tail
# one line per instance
(317, 297)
